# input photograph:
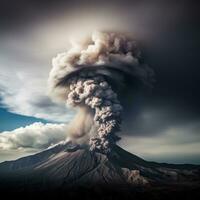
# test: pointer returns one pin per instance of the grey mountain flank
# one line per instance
(67, 165)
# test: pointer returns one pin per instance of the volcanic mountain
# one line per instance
(68, 166)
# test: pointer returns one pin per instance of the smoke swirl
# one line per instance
(90, 76)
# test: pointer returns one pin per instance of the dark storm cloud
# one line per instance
(153, 120)
(21, 13)
(168, 32)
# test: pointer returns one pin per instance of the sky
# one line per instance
(165, 126)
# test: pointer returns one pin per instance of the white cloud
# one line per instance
(23, 80)
(31, 139)
(36, 136)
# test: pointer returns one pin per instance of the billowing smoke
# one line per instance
(93, 91)
(93, 76)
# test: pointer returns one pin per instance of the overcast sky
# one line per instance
(165, 125)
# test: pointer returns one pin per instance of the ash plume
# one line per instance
(92, 76)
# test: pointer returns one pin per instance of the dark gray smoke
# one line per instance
(90, 76)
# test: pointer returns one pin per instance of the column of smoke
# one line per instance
(85, 77)
(93, 91)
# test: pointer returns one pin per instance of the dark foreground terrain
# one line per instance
(70, 172)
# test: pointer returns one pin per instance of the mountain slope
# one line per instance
(67, 165)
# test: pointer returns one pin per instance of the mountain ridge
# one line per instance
(68, 163)
(71, 169)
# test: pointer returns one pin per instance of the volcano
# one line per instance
(68, 167)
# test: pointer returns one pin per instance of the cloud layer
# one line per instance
(23, 91)
(179, 144)
(36, 136)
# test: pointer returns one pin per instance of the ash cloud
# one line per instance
(92, 76)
